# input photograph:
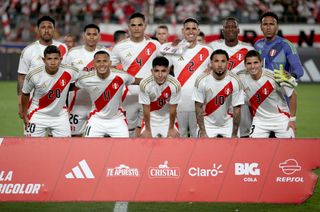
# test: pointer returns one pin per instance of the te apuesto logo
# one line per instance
(122, 171)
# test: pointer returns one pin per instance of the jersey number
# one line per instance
(106, 96)
(161, 102)
(191, 66)
(258, 98)
(139, 61)
(219, 100)
(54, 94)
(31, 128)
(73, 119)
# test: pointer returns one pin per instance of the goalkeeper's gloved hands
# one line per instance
(284, 78)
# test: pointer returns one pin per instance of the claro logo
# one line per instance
(203, 172)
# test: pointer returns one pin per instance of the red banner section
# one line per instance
(171, 170)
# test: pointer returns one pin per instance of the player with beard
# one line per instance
(31, 56)
(214, 94)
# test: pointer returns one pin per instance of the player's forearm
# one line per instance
(146, 117)
(236, 120)
(199, 116)
(20, 84)
(24, 103)
(173, 115)
(293, 104)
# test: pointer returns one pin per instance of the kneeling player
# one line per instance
(105, 86)
(159, 95)
(50, 84)
(267, 101)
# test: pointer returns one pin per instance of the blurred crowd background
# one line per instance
(19, 17)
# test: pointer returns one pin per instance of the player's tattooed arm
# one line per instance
(19, 92)
(200, 119)
(236, 120)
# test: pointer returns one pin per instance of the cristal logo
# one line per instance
(122, 170)
(164, 171)
(246, 169)
(202, 172)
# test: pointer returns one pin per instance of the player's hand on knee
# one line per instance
(203, 134)
(146, 134)
(173, 133)
(292, 125)
(20, 111)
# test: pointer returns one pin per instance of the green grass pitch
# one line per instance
(308, 126)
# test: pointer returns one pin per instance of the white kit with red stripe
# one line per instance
(50, 91)
(31, 56)
(236, 53)
(266, 97)
(136, 58)
(159, 97)
(79, 101)
(218, 96)
(187, 68)
(106, 93)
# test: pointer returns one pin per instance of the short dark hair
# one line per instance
(51, 50)
(219, 51)
(101, 52)
(201, 34)
(117, 34)
(91, 26)
(271, 14)
(137, 15)
(46, 18)
(160, 61)
(190, 19)
(252, 53)
(230, 18)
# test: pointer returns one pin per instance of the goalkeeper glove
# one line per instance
(284, 78)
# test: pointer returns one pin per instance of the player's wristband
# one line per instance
(293, 118)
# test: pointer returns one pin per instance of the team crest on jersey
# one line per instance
(240, 57)
(227, 91)
(115, 86)
(166, 95)
(272, 52)
(62, 82)
(148, 52)
(265, 91)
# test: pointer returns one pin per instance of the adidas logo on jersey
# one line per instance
(181, 58)
(82, 171)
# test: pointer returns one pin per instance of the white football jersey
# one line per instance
(236, 53)
(266, 97)
(136, 58)
(106, 93)
(82, 59)
(50, 91)
(218, 96)
(159, 97)
(187, 68)
(31, 56)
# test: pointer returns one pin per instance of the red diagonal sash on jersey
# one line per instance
(161, 101)
(86, 68)
(141, 59)
(138, 62)
(62, 50)
(193, 65)
(215, 103)
(257, 99)
(108, 93)
(237, 58)
(49, 97)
